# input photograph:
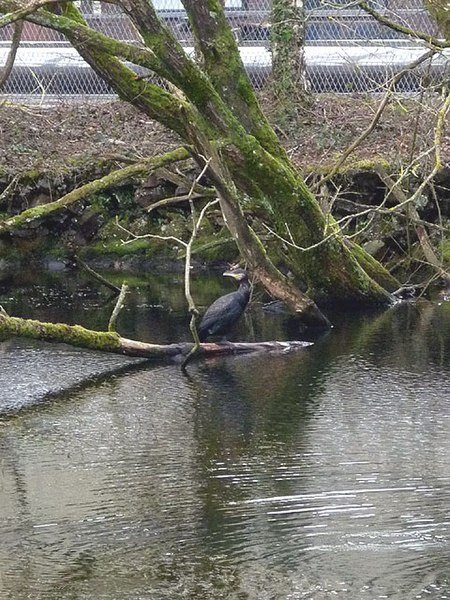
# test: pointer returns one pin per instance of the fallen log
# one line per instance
(104, 341)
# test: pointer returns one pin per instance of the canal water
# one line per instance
(317, 474)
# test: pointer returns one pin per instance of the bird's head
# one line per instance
(238, 274)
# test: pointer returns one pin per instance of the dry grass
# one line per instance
(65, 135)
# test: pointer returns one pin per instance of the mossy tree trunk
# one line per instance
(216, 113)
(288, 83)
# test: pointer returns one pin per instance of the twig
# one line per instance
(187, 265)
(9, 188)
(180, 179)
(118, 307)
(426, 37)
(175, 200)
(21, 13)
(439, 130)
(377, 115)
(187, 268)
(388, 211)
(338, 227)
(421, 232)
(95, 275)
(155, 236)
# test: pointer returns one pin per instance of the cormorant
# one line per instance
(226, 310)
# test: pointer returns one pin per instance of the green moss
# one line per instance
(445, 250)
(30, 176)
(221, 249)
(118, 248)
(59, 332)
(357, 165)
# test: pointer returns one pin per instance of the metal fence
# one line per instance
(346, 49)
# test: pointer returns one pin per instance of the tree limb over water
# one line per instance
(112, 342)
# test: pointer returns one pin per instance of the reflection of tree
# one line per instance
(155, 307)
(407, 334)
(14, 486)
(256, 419)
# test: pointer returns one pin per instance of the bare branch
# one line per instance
(5, 72)
(96, 275)
(358, 141)
(101, 53)
(439, 130)
(195, 227)
(20, 13)
(9, 188)
(106, 341)
(117, 308)
(426, 37)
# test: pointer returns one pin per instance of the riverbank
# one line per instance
(48, 151)
(57, 138)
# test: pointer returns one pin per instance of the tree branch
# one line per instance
(5, 72)
(426, 37)
(365, 134)
(117, 308)
(103, 341)
(115, 178)
(421, 231)
(182, 71)
(100, 51)
(222, 62)
(97, 276)
(21, 13)
(187, 267)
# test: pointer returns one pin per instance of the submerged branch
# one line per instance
(96, 276)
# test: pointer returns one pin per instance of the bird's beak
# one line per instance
(232, 274)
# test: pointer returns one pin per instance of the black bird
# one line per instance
(226, 310)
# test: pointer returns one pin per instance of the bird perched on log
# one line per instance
(226, 311)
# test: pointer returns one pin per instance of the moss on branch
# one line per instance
(74, 335)
(94, 187)
(223, 64)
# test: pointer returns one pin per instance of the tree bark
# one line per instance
(5, 71)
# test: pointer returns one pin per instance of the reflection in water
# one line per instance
(316, 474)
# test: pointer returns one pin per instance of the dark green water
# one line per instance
(318, 474)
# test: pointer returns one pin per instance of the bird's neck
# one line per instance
(244, 287)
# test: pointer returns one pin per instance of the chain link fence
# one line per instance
(346, 49)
